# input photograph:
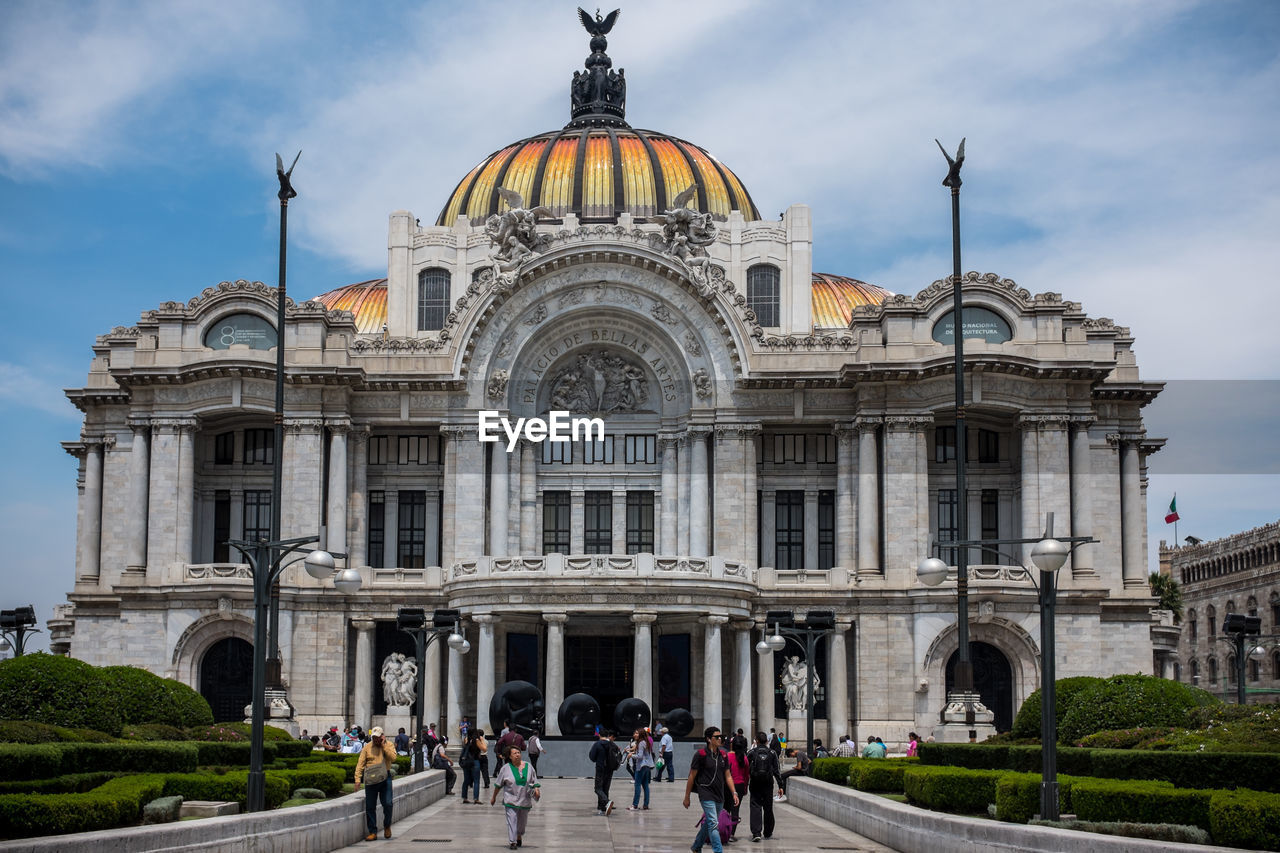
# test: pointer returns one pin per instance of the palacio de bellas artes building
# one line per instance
(776, 438)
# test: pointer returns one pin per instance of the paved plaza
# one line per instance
(564, 822)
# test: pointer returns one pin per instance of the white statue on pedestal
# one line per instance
(795, 674)
(399, 678)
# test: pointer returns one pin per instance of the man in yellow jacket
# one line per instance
(373, 771)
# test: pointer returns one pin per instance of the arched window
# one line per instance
(1192, 625)
(764, 283)
(1213, 672)
(1255, 669)
(1251, 607)
(1195, 672)
(433, 298)
(1210, 618)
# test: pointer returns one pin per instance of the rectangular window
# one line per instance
(824, 449)
(418, 450)
(944, 444)
(990, 524)
(826, 529)
(378, 447)
(257, 514)
(555, 522)
(642, 449)
(598, 535)
(411, 550)
(988, 446)
(639, 522)
(557, 451)
(598, 452)
(377, 528)
(788, 448)
(433, 298)
(764, 285)
(789, 516)
(221, 526)
(948, 523)
(224, 450)
(259, 447)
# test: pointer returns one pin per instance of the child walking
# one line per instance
(518, 782)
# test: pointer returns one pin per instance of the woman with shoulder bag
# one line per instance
(473, 751)
(373, 771)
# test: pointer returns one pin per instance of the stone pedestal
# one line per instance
(396, 718)
(954, 729)
(797, 729)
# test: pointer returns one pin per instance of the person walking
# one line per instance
(373, 771)
(667, 746)
(763, 771)
(482, 761)
(739, 770)
(472, 751)
(607, 758)
(535, 749)
(709, 776)
(640, 753)
(518, 782)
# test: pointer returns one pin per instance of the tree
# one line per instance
(1166, 589)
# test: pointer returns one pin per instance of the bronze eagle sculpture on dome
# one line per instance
(598, 26)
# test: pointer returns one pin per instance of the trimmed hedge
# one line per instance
(118, 802)
(293, 749)
(1018, 796)
(951, 789)
(152, 732)
(835, 770)
(49, 760)
(325, 777)
(72, 783)
(880, 774)
(60, 691)
(235, 754)
(1145, 801)
(1027, 723)
(228, 786)
(147, 698)
(1129, 701)
(1244, 818)
(30, 731)
(1173, 833)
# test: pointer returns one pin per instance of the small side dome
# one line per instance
(835, 297)
(367, 300)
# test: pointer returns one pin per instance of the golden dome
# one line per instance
(598, 173)
(366, 300)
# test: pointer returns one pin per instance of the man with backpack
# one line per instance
(709, 775)
(607, 758)
(764, 771)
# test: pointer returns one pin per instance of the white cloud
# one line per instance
(21, 387)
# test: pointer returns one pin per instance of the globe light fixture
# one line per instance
(931, 571)
(1257, 653)
(348, 581)
(1049, 554)
(762, 648)
(319, 564)
(457, 642)
(775, 642)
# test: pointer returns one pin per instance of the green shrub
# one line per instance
(235, 754)
(31, 760)
(72, 783)
(1244, 818)
(1027, 723)
(60, 691)
(1124, 738)
(1018, 796)
(152, 732)
(879, 774)
(951, 789)
(1140, 801)
(1190, 769)
(30, 731)
(307, 794)
(218, 732)
(232, 786)
(269, 733)
(147, 698)
(834, 770)
(1171, 833)
(975, 756)
(117, 802)
(1127, 701)
(326, 777)
(293, 748)
(128, 757)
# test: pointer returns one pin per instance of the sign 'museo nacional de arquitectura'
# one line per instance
(775, 439)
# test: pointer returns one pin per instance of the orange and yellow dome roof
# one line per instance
(598, 173)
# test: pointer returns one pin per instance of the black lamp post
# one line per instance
(444, 623)
(817, 624)
(16, 624)
(1238, 628)
(1049, 555)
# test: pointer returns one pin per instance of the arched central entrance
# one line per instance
(992, 679)
(226, 678)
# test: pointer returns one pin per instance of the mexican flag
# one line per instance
(1172, 515)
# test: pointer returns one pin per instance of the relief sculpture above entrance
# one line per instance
(599, 382)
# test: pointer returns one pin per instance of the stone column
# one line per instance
(467, 494)
(577, 520)
(743, 653)
(390, 528)
(1132, 534)
(669, 520)
(1081, 498)
(837, 681)
(906, 492)
(455, 690)
(619, 521)
(769, 528)
(764, 685)
(139, 464)
(811, 529)
(683, 469)
(642, 671)
(846, 515)
(449, 436)
(515, 474)
(712, 678)
(485, 683)
(528, 500)
(499, 497)
(161, 497)
(358, 500)
(734, 511)
(362, 706)
(555, 670)
(868, 497)
(302, 477)
(431, 684)
(89, 546)
(699, 528)
(336, 529)
(182, 531)
(431, 553)
(1032, 524)
(751, 496)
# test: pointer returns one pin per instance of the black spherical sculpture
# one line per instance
(521, 703)
(631, 714)
(679, 722)
(578, 715)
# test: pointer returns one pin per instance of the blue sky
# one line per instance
(1122, 154)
